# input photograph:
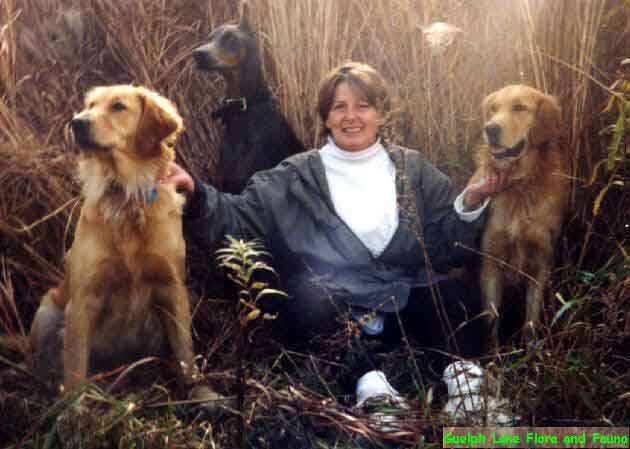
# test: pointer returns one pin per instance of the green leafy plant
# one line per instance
(618, 106)
(243, 260)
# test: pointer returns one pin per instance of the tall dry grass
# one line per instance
(553, 45)
(52, 51)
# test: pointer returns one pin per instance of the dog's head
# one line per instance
(517, 118)
(133, 121)
(126, 135)
(228, 46)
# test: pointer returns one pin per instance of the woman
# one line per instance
(358, 225)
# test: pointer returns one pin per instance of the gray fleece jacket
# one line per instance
(290, 209)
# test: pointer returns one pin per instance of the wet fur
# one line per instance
(525, 219)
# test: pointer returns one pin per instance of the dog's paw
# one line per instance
(77, 425)
(211, 402)
(203, 393)
(209, 398)
(530, 339)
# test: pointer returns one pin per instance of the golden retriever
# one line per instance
(123, 295)
(522, 128)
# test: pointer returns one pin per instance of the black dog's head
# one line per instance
(227, 49)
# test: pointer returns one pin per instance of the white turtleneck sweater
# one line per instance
(362, 185)
(363, 189)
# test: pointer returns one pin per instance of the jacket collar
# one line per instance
(313, 176)
(398, 157)
(406, 194)
(316, 176)
(319, 178)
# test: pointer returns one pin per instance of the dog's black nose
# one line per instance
(203, 59)
(81, 130)
(493, 134)
(80, 126)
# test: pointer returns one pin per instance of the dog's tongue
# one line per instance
(498, 150)
(501, 152)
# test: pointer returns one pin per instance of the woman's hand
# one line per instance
(492, 184)
(180, 178)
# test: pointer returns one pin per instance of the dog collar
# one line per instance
(151, 195)
(229, 106)
(146, 195)
(242, 101)
(510, 152)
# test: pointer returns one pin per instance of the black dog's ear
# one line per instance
(548, 121)
(244, 23)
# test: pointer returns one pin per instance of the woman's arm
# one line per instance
(446, 233)
(478, 192)
(181, 179)
(210, 215)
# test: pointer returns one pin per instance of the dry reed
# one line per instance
(51, 51)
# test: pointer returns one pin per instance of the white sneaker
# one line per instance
(373, 386)
(466, 401)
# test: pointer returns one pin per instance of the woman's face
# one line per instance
(352, 121)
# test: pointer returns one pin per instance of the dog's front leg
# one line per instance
(492, 292)
(534, 296)
(175, 312)
(81, 315)
(494, 244)
(174, 309)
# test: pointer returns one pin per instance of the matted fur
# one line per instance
(123, 294)
(525, 219)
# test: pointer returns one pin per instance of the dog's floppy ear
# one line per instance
(547, 122)
(485, 106)
(159, 121)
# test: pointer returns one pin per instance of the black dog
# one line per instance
(257, 135)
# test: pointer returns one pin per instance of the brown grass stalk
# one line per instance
(52, 51)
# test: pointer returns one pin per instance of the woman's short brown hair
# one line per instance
(364, 79)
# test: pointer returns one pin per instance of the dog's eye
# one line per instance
(118, 106)
(492, 108)
(230, 41)
(518, 107)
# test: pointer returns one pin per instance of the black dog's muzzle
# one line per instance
(206, 60)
